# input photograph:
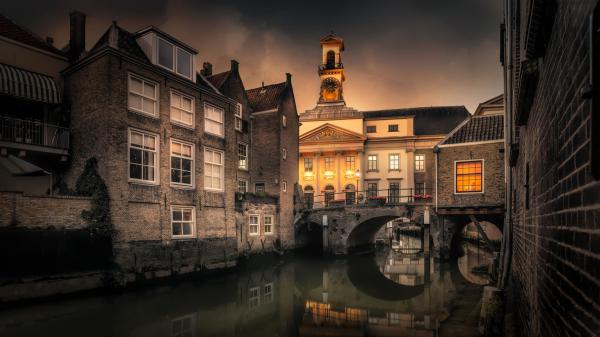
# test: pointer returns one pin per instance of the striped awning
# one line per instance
(26, 84)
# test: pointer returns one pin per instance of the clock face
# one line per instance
(330, 84)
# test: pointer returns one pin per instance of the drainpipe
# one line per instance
(436, 150)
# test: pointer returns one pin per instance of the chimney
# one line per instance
(288, 79)
(234, 65)
(77, 35)
(206, 69)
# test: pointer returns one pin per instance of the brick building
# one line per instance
(551, 55)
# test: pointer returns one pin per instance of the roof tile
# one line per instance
(478, 129)
(266, 97)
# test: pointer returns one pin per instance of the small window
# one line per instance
(213, 169)
(213, 120)
(393, 128)
(268, 292)
(469, 176)
(238, 116)
(419, 162)
(372, 162)
(143, 96)
(419, 188)
(242, 186)
(284, 121)
(253, 224)
(254, 297)
(371, 189)
(308, 164)
(182, 109)
(268, 224)
(371, 129)
(284, 153)
(183, 326)
(143, 157)
(182, 221)
(259, 187)
(182, 163)
(394, 162)
(284, 186)
(243, 156)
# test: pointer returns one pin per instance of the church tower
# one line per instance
(331, 71)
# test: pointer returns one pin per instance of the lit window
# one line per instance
(182, 163)
(328, 163)
(259, 187)
(371, 189)
(469, 176)
(213, 120)
(419, 162)
(350, 163)
(182, 221)
(253, 224)
(284, 186)
(243, 156)
(394, 162)
(284, 121)
(213, 169)
(308, 164)
(143, 156)
(238, 116)
(242, 186)
(268, 292)
(254, 297)
(182, 109)
(393, 128)
(143, 96)
(372, 162)
(371, 129)
(284, 153)
(268, 224)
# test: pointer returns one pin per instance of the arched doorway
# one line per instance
(309, 196)
(350, 194)
(329, 193)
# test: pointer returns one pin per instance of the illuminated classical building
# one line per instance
(350, 155)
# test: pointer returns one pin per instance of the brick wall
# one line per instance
(556, 208)
(42, 212)
(260, 206)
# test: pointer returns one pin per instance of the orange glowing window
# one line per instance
(469, 176)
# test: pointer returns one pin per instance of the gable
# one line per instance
(328, 133)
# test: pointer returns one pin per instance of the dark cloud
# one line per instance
(398, 53)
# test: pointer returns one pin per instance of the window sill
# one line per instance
(269, 234)
(183, 238)
(144, 114)
(143, 182)
(245, 169)
(467, 193)
(182, 187)
(394, 170)
(182, 125)
(214, 135)
(374, 171)
(214, 190)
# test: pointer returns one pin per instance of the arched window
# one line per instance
(329, 194)
(330, 59)
(309, 196)
(350, 194)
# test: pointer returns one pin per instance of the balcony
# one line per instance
(32, 134)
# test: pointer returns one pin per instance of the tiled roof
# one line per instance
(217, 80)
(266, 97)
(11, 30)
(478, 129)
(119, 38)
(427, 120)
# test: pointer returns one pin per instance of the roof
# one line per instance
(219, 79)
(477, 129)
(119, 38)
(493, 105)
(331, 37)
(266, 97)
(10, 30)
(166, 36)
(427, 120)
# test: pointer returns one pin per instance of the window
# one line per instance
(238, 116)
(242, 186)
(394, 193)
(371, 129)
(143, 156)
(268, 292)
(174, 58)
(394, 162)
(213, 169)
(284, 121)
(328, 163)
(419, 162)
(372, 162)
(268, 224)
(350, 163)
(254, 297)
(183, 327)
(330, 59)
(371, 189)
(253, 224)
(213, 120)
(469, 176)
(182, 163)
(308, 164)
(393, 128)
(243, 156)
(259, 187)
(143, 96)
(284, 153)
(182, 221)
(182, 109)
(420, 188)
(284, 186)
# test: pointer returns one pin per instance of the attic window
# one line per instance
(174, 58)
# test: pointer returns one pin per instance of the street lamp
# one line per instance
(357, 175)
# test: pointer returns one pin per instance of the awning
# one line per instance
(19, 167)
(26, 84)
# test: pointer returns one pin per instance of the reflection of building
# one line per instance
(383, 153)
(409, 270)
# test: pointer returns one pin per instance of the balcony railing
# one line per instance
(33, 132)
(369, 198)
(331, 66)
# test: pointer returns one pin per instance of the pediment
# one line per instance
(330, 133)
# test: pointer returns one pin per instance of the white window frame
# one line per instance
(238, 117)
(245, 185)
(191, 112)
(183, 332)
(222, 173)
(156, 180)
(250, 225)
(206, 118)
(284, 121)
(270, 294)
(271, 231)
(376, 163)
(175, 49)
(423, 161)
(256, 298)
(156, 99)
(193, 159)
(192, 222)
(390, 162)
(284, 153)
(263, 184)
(284, 186)
(482, 176)
(247, 161)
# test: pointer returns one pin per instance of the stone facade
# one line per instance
(554, 200)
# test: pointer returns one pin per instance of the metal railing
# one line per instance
(368, 198)
(331, 66)
(33, 132)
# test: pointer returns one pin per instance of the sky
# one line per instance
(400, 53)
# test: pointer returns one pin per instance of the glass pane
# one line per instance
(175, 176)
(217, 157)
(149, 90)
(187, 229)
(216, 183)
(186, 177)
(175, 100)
(165, 54)
(186, 164)
(135, 85)
(135, 171)
(186, 118)
(135, 102)
(176, 228)
(207, 181)
(176, 148)
(149, 106)
(184, 63)
(177, 215)
(186, 104)
(149, 142)
(137, 138)
(135, 156)
(187, 215)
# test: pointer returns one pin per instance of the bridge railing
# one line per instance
(368, 197)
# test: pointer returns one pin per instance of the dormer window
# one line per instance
(174, 58)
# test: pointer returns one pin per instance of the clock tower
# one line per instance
(331, 71)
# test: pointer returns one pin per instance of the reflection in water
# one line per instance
(473, 265)
(386, 294)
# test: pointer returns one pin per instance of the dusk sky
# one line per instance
(402, 53)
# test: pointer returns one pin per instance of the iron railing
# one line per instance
(33, 132)
(368, 197)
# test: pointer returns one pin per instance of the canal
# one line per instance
(386, 293)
